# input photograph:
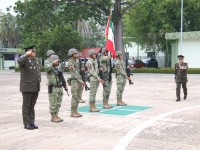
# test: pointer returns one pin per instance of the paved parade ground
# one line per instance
(153, 120)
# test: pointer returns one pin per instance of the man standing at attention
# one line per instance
(121, 77)
(106, 65)
(94, 79)
(29, 86)
(76, 81)
(181, 77)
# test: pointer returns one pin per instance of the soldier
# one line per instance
(94, 79)
(49, 60)
(76, 82)
(105, 62)
(29, 86)
(55, 90)
(181, 77)
(121, 77)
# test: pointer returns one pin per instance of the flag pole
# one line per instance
(181, 42)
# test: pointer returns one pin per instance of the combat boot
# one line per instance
(109, 106)
(79, 115)
(60, 119)
(54, 118)
(105, 105)
(73, 112)
(124, 104)
(81, 101)
(93, 107)
(119, 103)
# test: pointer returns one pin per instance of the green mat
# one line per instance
(116, 110)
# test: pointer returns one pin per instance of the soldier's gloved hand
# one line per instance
(83, 83)
(128, 78)
(55, 62)
(102, 81)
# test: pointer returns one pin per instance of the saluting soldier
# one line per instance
(29, 85)
(49, 60)
(121, 77)
(93, 79)
(76, 82)
(55, 90)
(105, 62)
(181, 77)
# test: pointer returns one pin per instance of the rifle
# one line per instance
(62, 79)
(100, 72)
(83, 74)
(128, 72)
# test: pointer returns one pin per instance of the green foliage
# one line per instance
(148, 22)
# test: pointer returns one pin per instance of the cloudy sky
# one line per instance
(6, 3)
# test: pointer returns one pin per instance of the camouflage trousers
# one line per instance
(107, 90)
(55, 99)
(121, 82)
(94, 85)
(76, 91)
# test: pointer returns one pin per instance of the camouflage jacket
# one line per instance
(105, 64)
(181, 74)
(74, 68)
(52, 73)
(120, 68)
(30, 74)
(93, 70)
(48, 62)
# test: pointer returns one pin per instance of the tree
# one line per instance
(10, 33)
(151, 19)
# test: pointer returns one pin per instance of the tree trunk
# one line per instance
(118, 27)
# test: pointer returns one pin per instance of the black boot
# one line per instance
(185, 97)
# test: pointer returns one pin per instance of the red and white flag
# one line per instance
(110, 44)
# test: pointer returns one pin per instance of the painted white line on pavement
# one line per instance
(129, 110)
(123, 143)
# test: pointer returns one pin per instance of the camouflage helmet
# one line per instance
(72, 51)
(118, 53)
(91, 52)
(104, 50)
(50, 52)
(54, 57)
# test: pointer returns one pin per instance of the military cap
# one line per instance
(50, 52)
(54, 57)
(180, 56)
(104, 50)
(72, 51)
(91, 52)
(118, 53)
(32, 47)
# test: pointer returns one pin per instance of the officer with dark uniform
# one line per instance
(29, 86)
(181, 77)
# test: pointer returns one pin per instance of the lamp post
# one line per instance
(181, 42)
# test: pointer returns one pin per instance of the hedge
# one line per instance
(142, 70)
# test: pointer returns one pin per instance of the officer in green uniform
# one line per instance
(181, 77)
(55, 90)
(75, 81)
(105, 62)
(93, 79)
(121, 77)
(30, 78)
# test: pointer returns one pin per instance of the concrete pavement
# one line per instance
(99, 131)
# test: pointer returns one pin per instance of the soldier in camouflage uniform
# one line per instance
(76, 82)
(94, 79)
(105, 62)
(121, 77)
(55, 89)
(49, 60)
(181, 77)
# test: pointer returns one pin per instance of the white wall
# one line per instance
(133, 52)
(191, 51)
